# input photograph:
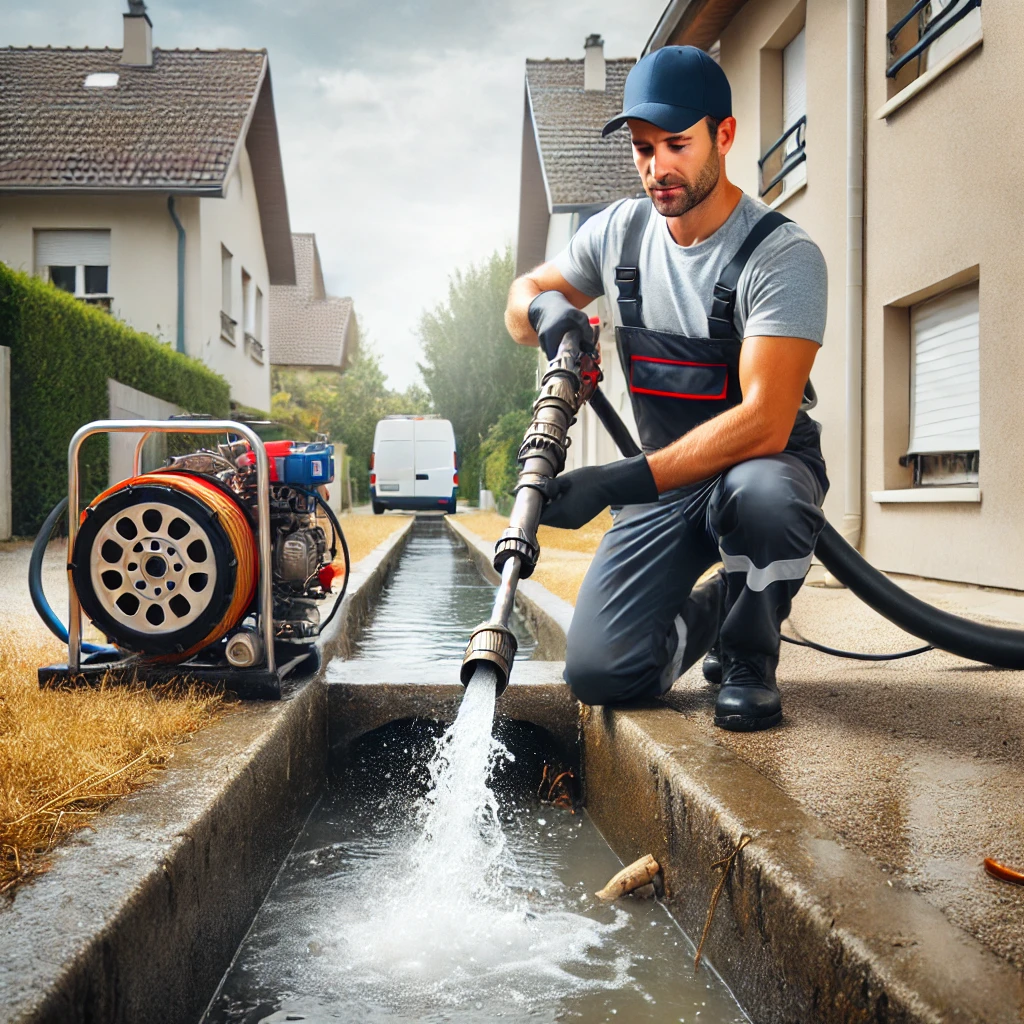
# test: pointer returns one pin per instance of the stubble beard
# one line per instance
(693, 192)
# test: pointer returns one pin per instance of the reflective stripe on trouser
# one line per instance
(635, 613)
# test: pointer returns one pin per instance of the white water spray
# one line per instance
(452, 918)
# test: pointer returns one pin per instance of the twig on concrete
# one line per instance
(727, 861)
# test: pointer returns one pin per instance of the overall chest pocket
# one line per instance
(678, 378)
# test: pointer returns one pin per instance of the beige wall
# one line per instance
(234, 222)
(143, 249)
(751, 57)
(943, 205)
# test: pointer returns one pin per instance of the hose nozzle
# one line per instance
(494, 644)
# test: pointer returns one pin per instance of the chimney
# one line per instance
(593, 64)
(138, 35)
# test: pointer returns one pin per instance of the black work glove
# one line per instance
(552, 316)
(575, 498)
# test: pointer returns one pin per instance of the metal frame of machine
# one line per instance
(254, 682)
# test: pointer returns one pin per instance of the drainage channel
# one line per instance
(343, 935)
(431, 604)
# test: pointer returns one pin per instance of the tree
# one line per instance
(346, 408)
(474, 371)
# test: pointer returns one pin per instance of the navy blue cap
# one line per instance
(673, 88)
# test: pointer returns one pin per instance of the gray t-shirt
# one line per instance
(781, 293)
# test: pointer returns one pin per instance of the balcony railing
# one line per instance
(254, 347)
(790, 159)
(227, 327)
(927, 31)
(102, 301)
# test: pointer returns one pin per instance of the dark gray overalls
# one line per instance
(761, 518)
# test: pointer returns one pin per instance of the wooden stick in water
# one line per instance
(640, 872)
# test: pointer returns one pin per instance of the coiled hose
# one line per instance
(35, 582)
(234, 522)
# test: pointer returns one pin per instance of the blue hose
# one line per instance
(35, 583)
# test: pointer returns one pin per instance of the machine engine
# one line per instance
(166, 563)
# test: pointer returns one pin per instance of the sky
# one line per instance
(400, 122)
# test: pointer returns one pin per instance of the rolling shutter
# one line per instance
(944, 383)
(72, 249)
(794, 80)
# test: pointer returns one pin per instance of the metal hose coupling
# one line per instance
(494, 644)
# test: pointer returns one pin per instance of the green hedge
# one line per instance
(62, 353)
(498, 456)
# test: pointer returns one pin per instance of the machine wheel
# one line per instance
(378, 508)
(155, 569)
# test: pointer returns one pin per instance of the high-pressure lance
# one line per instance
(570, 380)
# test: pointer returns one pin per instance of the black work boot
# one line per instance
(703, 617)
(712, 667)
(749, 698)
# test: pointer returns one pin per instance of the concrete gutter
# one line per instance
(808, 929)
(137, 921)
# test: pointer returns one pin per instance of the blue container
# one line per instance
(309, 465)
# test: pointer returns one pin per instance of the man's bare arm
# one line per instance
(773, 372)
(525, 289)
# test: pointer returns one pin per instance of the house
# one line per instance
(888, 129)
(149, 182)
(569, 173)
(310, 329)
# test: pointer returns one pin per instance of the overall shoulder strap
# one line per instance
(720, 321)
(627, 272)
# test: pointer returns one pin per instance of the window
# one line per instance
(783, 167)
(246, 301)
(927, 36)
(227, 322)
(257, 320)
(77, 262)
(252, 310)
(944, 389)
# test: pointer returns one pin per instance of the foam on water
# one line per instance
(449, 917)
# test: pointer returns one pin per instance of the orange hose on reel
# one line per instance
(235, 524)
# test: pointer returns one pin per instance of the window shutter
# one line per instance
(944, 385)
(72, 249)
(794, 80)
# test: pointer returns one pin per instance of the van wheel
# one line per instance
(378, 508)
(449, 508)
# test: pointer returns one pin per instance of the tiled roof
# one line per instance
(309, 328)
(579, 165)
(172, 126)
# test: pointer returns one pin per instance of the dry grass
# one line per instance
(490, 525)
(564, 554)
(65, 755)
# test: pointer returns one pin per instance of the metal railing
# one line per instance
(927, 31)
(790, 160)
(254, 347)
(227, 327)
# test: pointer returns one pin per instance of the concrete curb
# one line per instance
(547, 616)
(137, 922)
(808, 930)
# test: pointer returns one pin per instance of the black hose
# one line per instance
(340, 534)
(35, 582)
(855, 655)
(991, 645)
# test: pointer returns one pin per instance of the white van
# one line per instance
(414, 464)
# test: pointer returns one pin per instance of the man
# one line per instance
(721, 310)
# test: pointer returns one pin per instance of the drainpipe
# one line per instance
(855, 38)
(181, 274)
